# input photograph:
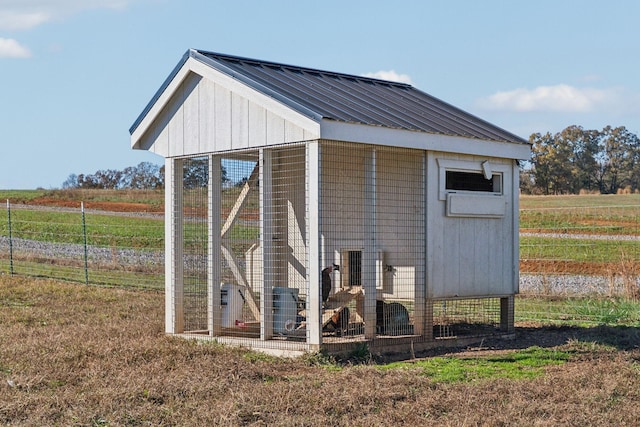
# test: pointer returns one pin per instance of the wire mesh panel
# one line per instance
(240, 249)
(195, 239)
(263, 245)
(372, 226)
(465, 317)
(288, 231)
(47, 243)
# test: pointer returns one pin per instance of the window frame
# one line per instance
(484, 167)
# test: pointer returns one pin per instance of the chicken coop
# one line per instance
(310, 210)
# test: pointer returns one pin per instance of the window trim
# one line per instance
(481, 167)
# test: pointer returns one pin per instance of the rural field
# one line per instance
(96, 355)
(76, 355)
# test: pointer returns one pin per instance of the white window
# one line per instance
(472, 189)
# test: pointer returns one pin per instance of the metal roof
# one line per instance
(348, 98)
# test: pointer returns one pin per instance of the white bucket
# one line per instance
(232, 299)
(285, 310)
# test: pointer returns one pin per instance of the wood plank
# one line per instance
(242, 281)
(242, 198)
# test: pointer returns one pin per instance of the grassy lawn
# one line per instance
(580, 311)
(102, 230)
(574, 201)
(521, 364)
(581, 250)
(72, 354)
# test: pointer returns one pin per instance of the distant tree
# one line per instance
(86, 181)
(551, 163)
(617, 160)
(71, 181)
(196, 173)
(583, 148)
(108, 179)
(527, 180)
(577, 159)
(145, 175)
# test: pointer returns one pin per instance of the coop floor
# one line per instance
(407, 344)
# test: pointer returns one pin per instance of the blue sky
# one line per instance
(75, 74)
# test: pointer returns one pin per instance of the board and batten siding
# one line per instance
(470, 255)
(214, 113)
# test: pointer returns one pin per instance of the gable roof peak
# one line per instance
(345, 98)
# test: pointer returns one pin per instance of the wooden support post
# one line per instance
(370, 254)
(422, 317)
(507, 314)
(427, 333)
(174, 246)
(314, 302)
(266, 242)
(214, 258)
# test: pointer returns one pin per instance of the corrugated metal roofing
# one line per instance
(351, 99)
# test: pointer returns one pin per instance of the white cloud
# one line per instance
(558, 98)
(27, 14)
(389, 75)
(13, 20)
(9, 48)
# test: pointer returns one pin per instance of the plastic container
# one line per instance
(285, 310)
(232, 300)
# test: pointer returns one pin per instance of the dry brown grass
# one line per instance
(75, 355)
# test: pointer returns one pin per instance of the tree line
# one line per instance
(144, 176)
(569, 162)
(576, 160)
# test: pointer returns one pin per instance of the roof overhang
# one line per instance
(353, 132)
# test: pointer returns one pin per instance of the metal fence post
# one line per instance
(84, 235)
(10, 238)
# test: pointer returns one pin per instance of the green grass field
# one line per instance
(544, 219)
(578, 311)
(577, 201)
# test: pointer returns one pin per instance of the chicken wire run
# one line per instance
(349, 199)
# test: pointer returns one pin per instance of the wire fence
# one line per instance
(577, 264)
(102, 248)
(580, 264)
(580, 250)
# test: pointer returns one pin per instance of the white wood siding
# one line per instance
(470, 256)
(205, 111)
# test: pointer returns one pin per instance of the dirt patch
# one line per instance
(530, 334)
(550, 266)
(99, 205)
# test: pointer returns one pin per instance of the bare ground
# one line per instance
(75, 355)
